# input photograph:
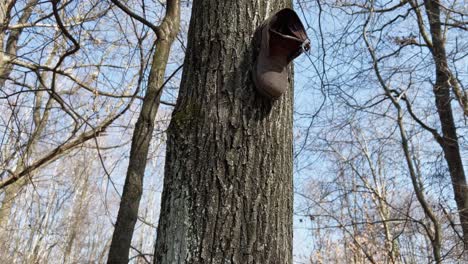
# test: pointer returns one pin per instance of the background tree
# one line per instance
(54, 105)
(166, 32)
(50, 86)
(375, 72)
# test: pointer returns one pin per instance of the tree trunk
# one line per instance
(133, 187)
(227, 194)
(11, 46)
(449, 142)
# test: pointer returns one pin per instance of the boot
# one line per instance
(278, 40)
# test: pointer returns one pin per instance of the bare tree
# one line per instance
(444, 81)
(166, 32)
(373, 68)
(227, 194)
(67, 86)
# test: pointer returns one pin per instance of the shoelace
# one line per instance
(305, 46)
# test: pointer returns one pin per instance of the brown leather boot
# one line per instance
(278, 40)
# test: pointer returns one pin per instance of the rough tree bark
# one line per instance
(11, 45)
(133, 187)
(449, 142)
(227, 194)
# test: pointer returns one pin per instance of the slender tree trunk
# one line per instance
(10, 195)
(6, 67)
(77, 214)
(11, 46)
(434, 233)
(5, 14)
(11, 191)
(449, 142)
(133, 188)
(227, 194)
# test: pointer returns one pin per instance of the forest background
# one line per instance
(373, 174)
